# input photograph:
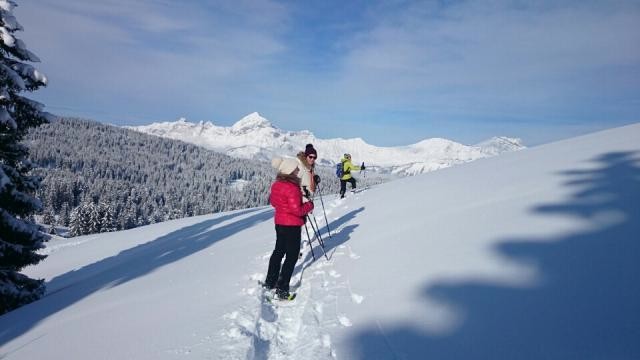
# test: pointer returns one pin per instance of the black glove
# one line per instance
(316, 179)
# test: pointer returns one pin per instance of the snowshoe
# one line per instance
(279, 296)
(285, 295)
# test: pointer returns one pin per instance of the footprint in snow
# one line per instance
(249, 291)
(344, 321)
(357, 298)
(268, 313)
(326, 340)
(231, 316)
(233, 333)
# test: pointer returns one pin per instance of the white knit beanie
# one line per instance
(285, 166)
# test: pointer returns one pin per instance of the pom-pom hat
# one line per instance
(309, 150)
(285, 165)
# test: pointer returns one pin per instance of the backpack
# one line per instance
(339, 170)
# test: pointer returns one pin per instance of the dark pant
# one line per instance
(343, 185)
(287, 243)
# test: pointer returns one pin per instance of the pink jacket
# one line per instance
(287, 200)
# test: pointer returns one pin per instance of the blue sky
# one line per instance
(393, 72)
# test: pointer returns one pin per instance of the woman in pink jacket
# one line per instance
(289, 217)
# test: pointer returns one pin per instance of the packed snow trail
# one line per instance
(298, 329)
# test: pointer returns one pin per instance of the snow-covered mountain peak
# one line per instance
(255, 137)
(251, 122)
(433, 143)
(500, 144)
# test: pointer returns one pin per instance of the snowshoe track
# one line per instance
(298, 329)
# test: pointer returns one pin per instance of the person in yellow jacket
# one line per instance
(347, 168)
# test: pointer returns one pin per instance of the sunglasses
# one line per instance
(312, 157)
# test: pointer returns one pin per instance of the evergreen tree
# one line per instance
(108, 222)
(75, 222)
(20, 238)
(48, 218)
(95, 218)
(63, 219)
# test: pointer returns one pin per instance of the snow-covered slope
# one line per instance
(255, 137)
(529, 255)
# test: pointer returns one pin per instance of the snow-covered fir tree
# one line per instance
(76, 226)
(20, 238)
(95, 218)
(48, 217)
(63, 217)
(108, 221)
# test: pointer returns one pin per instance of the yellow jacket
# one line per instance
(347, 168)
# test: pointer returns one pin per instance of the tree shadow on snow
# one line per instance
(126, 266)
(586, 306)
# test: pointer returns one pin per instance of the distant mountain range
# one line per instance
(254, 137)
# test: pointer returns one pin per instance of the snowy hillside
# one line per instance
(530, 255)
(256, 138)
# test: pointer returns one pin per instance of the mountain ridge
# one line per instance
(255, 137)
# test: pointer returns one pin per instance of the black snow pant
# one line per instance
(343, 186)
(288, 240)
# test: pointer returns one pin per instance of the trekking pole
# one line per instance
(326, 221)
(316, 230)
(309, 239)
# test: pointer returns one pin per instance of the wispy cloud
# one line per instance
(423, 68)
(151, 51)
(490, 57)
